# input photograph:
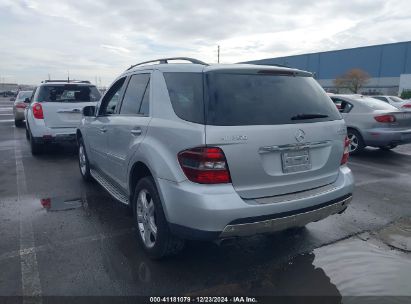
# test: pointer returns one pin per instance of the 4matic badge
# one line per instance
(234, 138)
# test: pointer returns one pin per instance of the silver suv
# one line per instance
(216, 151)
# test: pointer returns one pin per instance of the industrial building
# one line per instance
(389, 66)
(8, 87)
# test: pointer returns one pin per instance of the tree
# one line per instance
(352, 80)
(406, 94)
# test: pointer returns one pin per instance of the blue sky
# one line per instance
(101, 38)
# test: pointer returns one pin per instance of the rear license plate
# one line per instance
(296, 161)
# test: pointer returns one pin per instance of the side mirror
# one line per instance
(27, 100)
(89, 111)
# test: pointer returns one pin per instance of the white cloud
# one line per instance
(103, 37)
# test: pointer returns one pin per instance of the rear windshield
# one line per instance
(396, 99)
(375, 104)
(253, 99)
(247, 99)
(68, 93)
(23, 95)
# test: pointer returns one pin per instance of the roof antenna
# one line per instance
(68, 76)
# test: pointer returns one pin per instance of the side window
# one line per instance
(112, 98)
(342, 105)
(144, 108)
(134, 94)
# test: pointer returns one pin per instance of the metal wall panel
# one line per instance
(386, 60)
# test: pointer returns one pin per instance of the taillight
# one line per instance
(20, 105)
(385, 118)
(205, 165)
(408, 106)
(37, 111)
(346, 153)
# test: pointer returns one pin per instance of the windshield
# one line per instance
(68, 93)
(23, 95)
(253, 99)
(376, 104)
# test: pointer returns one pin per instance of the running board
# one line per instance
(112, 189)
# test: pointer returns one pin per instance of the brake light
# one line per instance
(408, 106)
(37, 111)
(346, 153)
(20, 105)
(205, 165)
(385, 118)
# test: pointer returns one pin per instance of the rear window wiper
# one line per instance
(303, 116)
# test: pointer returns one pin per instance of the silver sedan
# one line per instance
(371, 122)
(19, 106)
(395, 101)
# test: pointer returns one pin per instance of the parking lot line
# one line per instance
(30, 278)
(73, 242)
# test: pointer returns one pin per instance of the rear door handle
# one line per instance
(136, 131)
(103, 130)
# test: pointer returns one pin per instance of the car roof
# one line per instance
(192, 67)
(66, 82)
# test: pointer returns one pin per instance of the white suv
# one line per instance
(55, 111)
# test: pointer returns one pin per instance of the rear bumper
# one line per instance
(383, 137)
(210, 212)
(18, 114)
(282, 222)
(61, 136)
(43, 134)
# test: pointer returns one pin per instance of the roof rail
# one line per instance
(165, 60)
(65, 80)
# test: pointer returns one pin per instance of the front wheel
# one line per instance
(356, 142)
(153, 232)
(18, 123)
(83, 161)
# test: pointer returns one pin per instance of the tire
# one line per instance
(83, 162)
(35, 148)
(27, 134)
(388, 147)
(157, 241)
(356, 141)
(18, 123)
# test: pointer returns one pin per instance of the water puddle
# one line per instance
(398, 235)
(61, 203)
(365, 268)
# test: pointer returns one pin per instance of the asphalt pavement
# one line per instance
(63, 237)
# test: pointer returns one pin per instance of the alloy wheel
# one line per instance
(354, 142)
(146, 219)
(82, 160)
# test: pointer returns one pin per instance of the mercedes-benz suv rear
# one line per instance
(220, 151)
